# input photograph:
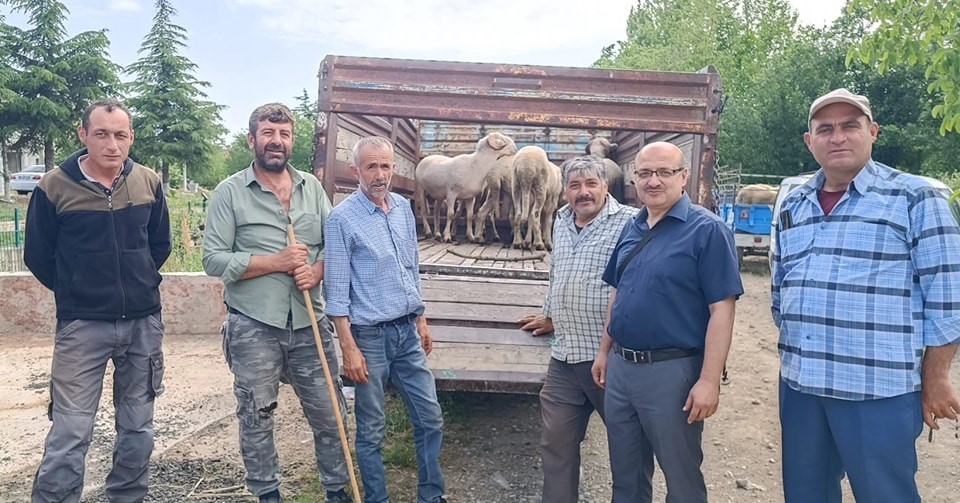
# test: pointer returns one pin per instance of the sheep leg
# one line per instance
(536, 240)
(468, 208)
(520, 214)
(436, 219)
(451, 217)
(424, 211)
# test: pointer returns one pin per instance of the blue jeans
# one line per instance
(392, 350)
(873, 441)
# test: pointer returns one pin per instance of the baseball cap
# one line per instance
(841, 95)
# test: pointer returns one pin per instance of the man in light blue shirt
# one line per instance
(866, 276)
(372, 288)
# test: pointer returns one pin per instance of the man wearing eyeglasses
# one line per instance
(669, 324)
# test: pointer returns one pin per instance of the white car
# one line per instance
(27, 179)
(792, 182)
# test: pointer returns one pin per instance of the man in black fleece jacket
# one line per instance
(97, 233)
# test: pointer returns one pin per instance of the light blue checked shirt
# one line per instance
(577, 298)
(371, 269)
(858, 294)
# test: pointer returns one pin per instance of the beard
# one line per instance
(271, 163)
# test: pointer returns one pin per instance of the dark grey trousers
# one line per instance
(259, 355)
(644, 403)
(568, 398)
(80, 354)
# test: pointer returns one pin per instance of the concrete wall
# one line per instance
(192, 304)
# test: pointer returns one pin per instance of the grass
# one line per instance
(187, 214)
(399, 452)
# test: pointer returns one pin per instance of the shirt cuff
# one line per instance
(238, 265)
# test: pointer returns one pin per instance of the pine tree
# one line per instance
(176, 126)
(49, 79)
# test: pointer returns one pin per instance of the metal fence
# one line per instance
(186, 226)
(11, 241)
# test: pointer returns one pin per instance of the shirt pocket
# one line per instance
(406, 251)
(795, 243)
(308, 228)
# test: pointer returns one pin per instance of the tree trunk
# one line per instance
(165, 177)
(48, 160)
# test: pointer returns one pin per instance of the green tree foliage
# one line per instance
(771, 70)
(176, 126)
(739, 37)
(48, 78)
(916, 33)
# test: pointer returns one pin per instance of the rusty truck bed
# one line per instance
(474, 296)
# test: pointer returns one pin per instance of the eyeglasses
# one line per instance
(645, 174)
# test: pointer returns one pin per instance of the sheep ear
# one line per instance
(613, 147)
(496, 141)
(586, 149)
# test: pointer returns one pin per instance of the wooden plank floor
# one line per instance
(478, 344)
(493, 260)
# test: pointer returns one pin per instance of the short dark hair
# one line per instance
(277, 113)
(109, 104)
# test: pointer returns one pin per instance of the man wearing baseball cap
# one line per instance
(866, 294)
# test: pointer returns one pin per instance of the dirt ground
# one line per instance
(490, 450)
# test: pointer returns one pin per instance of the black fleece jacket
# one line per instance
(99, 252)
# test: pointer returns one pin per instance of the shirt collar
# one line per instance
(250, 177)
(861, 183)
(87, 175)
(680, 210)
(368, 204)
(611, 207)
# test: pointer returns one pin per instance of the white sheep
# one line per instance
(536, 184)
(461, 178)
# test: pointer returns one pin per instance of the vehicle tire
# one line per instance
(23, 192)
(740, 259)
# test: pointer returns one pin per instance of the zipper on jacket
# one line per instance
(116, 243)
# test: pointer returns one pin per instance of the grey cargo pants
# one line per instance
(259, 355)
(81, 351)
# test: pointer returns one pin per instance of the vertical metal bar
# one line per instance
(16, 227)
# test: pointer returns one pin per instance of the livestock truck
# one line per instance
(474, 292)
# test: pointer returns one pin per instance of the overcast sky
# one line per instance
(257, 51)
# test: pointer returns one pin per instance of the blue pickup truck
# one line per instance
(751, 227)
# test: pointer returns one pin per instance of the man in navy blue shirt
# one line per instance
(668, 330)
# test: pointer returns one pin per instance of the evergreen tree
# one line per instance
(176, 126)
(49, 79)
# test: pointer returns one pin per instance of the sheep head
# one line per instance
(499, 143)
(601, 147)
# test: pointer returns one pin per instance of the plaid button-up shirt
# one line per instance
(859, 293)
(577, 298)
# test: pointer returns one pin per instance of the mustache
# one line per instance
(378, 183)
(583, 199)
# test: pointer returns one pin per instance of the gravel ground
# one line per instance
(490, 448)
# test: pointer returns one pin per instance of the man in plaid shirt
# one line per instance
(585, 233)
(866, 293)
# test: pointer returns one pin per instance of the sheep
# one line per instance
(602, 148)
(757, 193)
(497, 190)
(460, 178)
(536, 184)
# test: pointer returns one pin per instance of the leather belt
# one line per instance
(403, 320)
(653, 356)
(234, 311)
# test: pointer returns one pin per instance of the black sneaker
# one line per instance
(271, 497)
(340, 496)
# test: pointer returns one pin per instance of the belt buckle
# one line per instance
(636, 356)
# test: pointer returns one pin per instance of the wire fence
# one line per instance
(11, 241)
(187, 215)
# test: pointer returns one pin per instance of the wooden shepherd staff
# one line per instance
(326, 373)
